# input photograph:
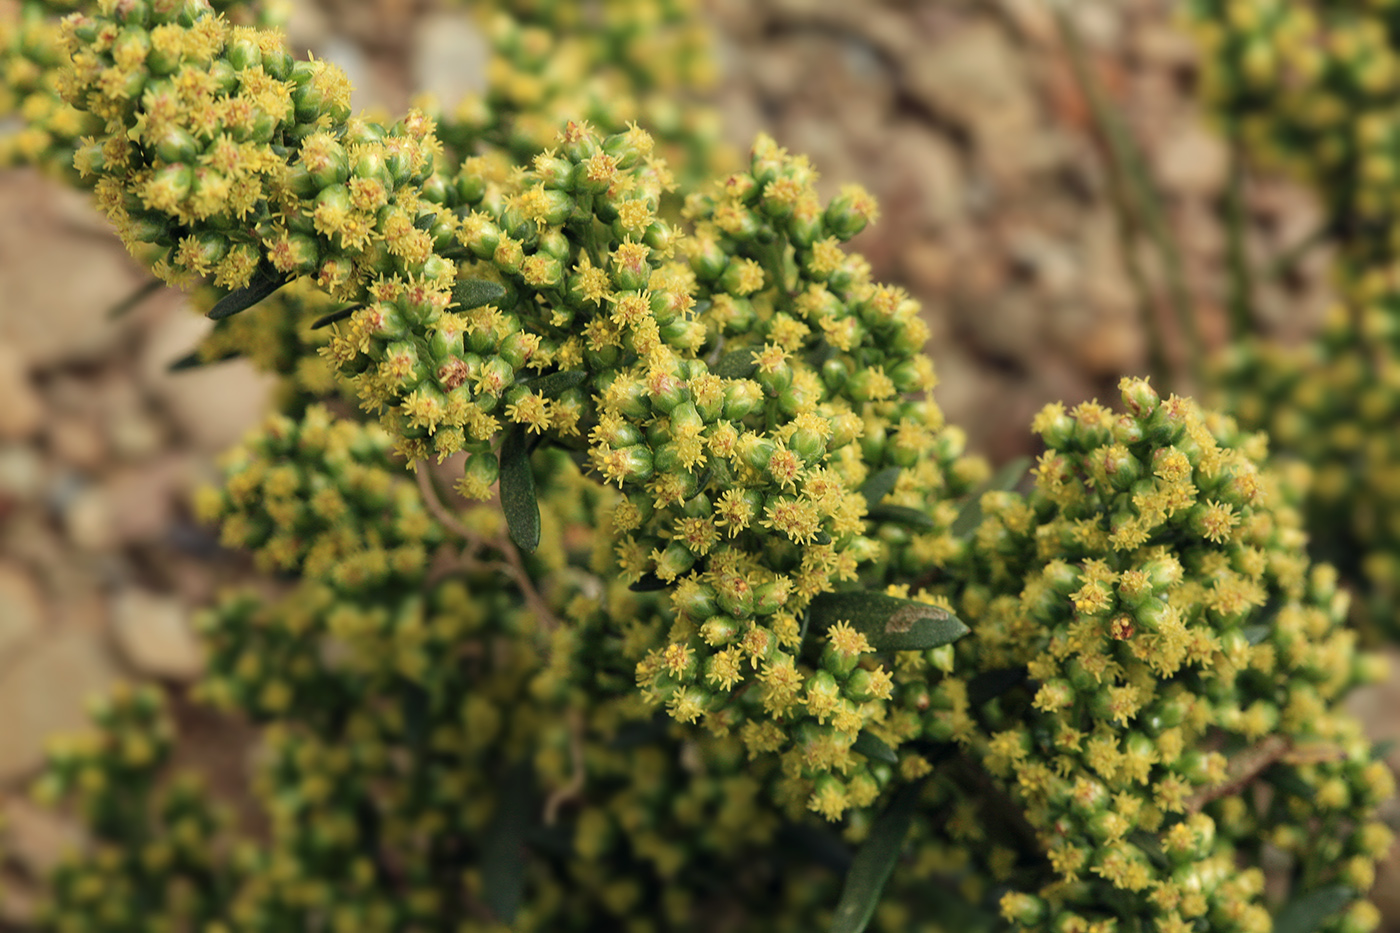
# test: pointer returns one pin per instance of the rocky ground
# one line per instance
(964, 116)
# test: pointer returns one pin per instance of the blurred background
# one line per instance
(1002, 214)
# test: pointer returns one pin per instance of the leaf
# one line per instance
(1254, 634)
(873, 747)
(265, 281)
(880, 485)
(329, 319)
(991, 684)
(1287, 779)
(517, 485)
(900, 515)
(1307, 913)
(133, 301)
(888, 622)
(474, 293)
(1382, 749)
(736, 364)
(1004, 480)
(194, 360)
(874, 862)
(553, 384)
(504, 859)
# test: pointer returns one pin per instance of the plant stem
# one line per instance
(1241, 299)
(1135, 197)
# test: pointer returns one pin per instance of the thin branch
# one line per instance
(1243, 769)
(1134, 194)
(514, 565)
(574, 788)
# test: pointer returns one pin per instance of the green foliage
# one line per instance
(706, 643)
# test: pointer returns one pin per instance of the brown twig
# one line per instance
(514, 565)
(1243, 770)
(574, 788)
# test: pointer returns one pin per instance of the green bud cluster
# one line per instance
(615, 64)
(1177, 644)
(152, 861)
(1308, 89)
(1332, 405)
(317, 497)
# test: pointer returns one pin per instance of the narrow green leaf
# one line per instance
(553, 384)
(1382, 749)
(504, 858)
(194, 360)
(474, 293)
(335, 316)
(1287, 779)
(871, 746)
(131, 302)
(1307, 913)
(900, 515)
(888, 622)
(879, 485)
(1254, 634)
(874, 863)
(518, 502)
(737, 364)
(265, 281)
(1003, 480)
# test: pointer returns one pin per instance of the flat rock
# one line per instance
(449, 57)
(45, 692)
(154, 634)
(38, 838)
(58, 283)
(23, 410)
(211, 406)
(21, 608)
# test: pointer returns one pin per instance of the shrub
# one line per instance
(738, 601)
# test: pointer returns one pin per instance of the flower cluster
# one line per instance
(1307, 87)
(1178, 647)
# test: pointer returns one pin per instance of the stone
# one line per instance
(59, 283)
(21, 609)
(21, 474)
(1194, 162)
(38, 838)
(974, 78)
(88, 519)
(921, 173)
(155, 637)
(78, 442)
(142, 499)
(44, 692)
(211, 406)
(23, 411)
(449, 58)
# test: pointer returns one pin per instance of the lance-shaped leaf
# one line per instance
(874, 748)
(888, 622)
(518, 502)
(265, 281)
(879, 485)
(132, 301)
(1003, 480)
(195, 359)
(736, 364)
(474, 293)
(1308, 913)
(504, 858)
(874, 863)
(1287, 779)
(326, 320)
(553, 384)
